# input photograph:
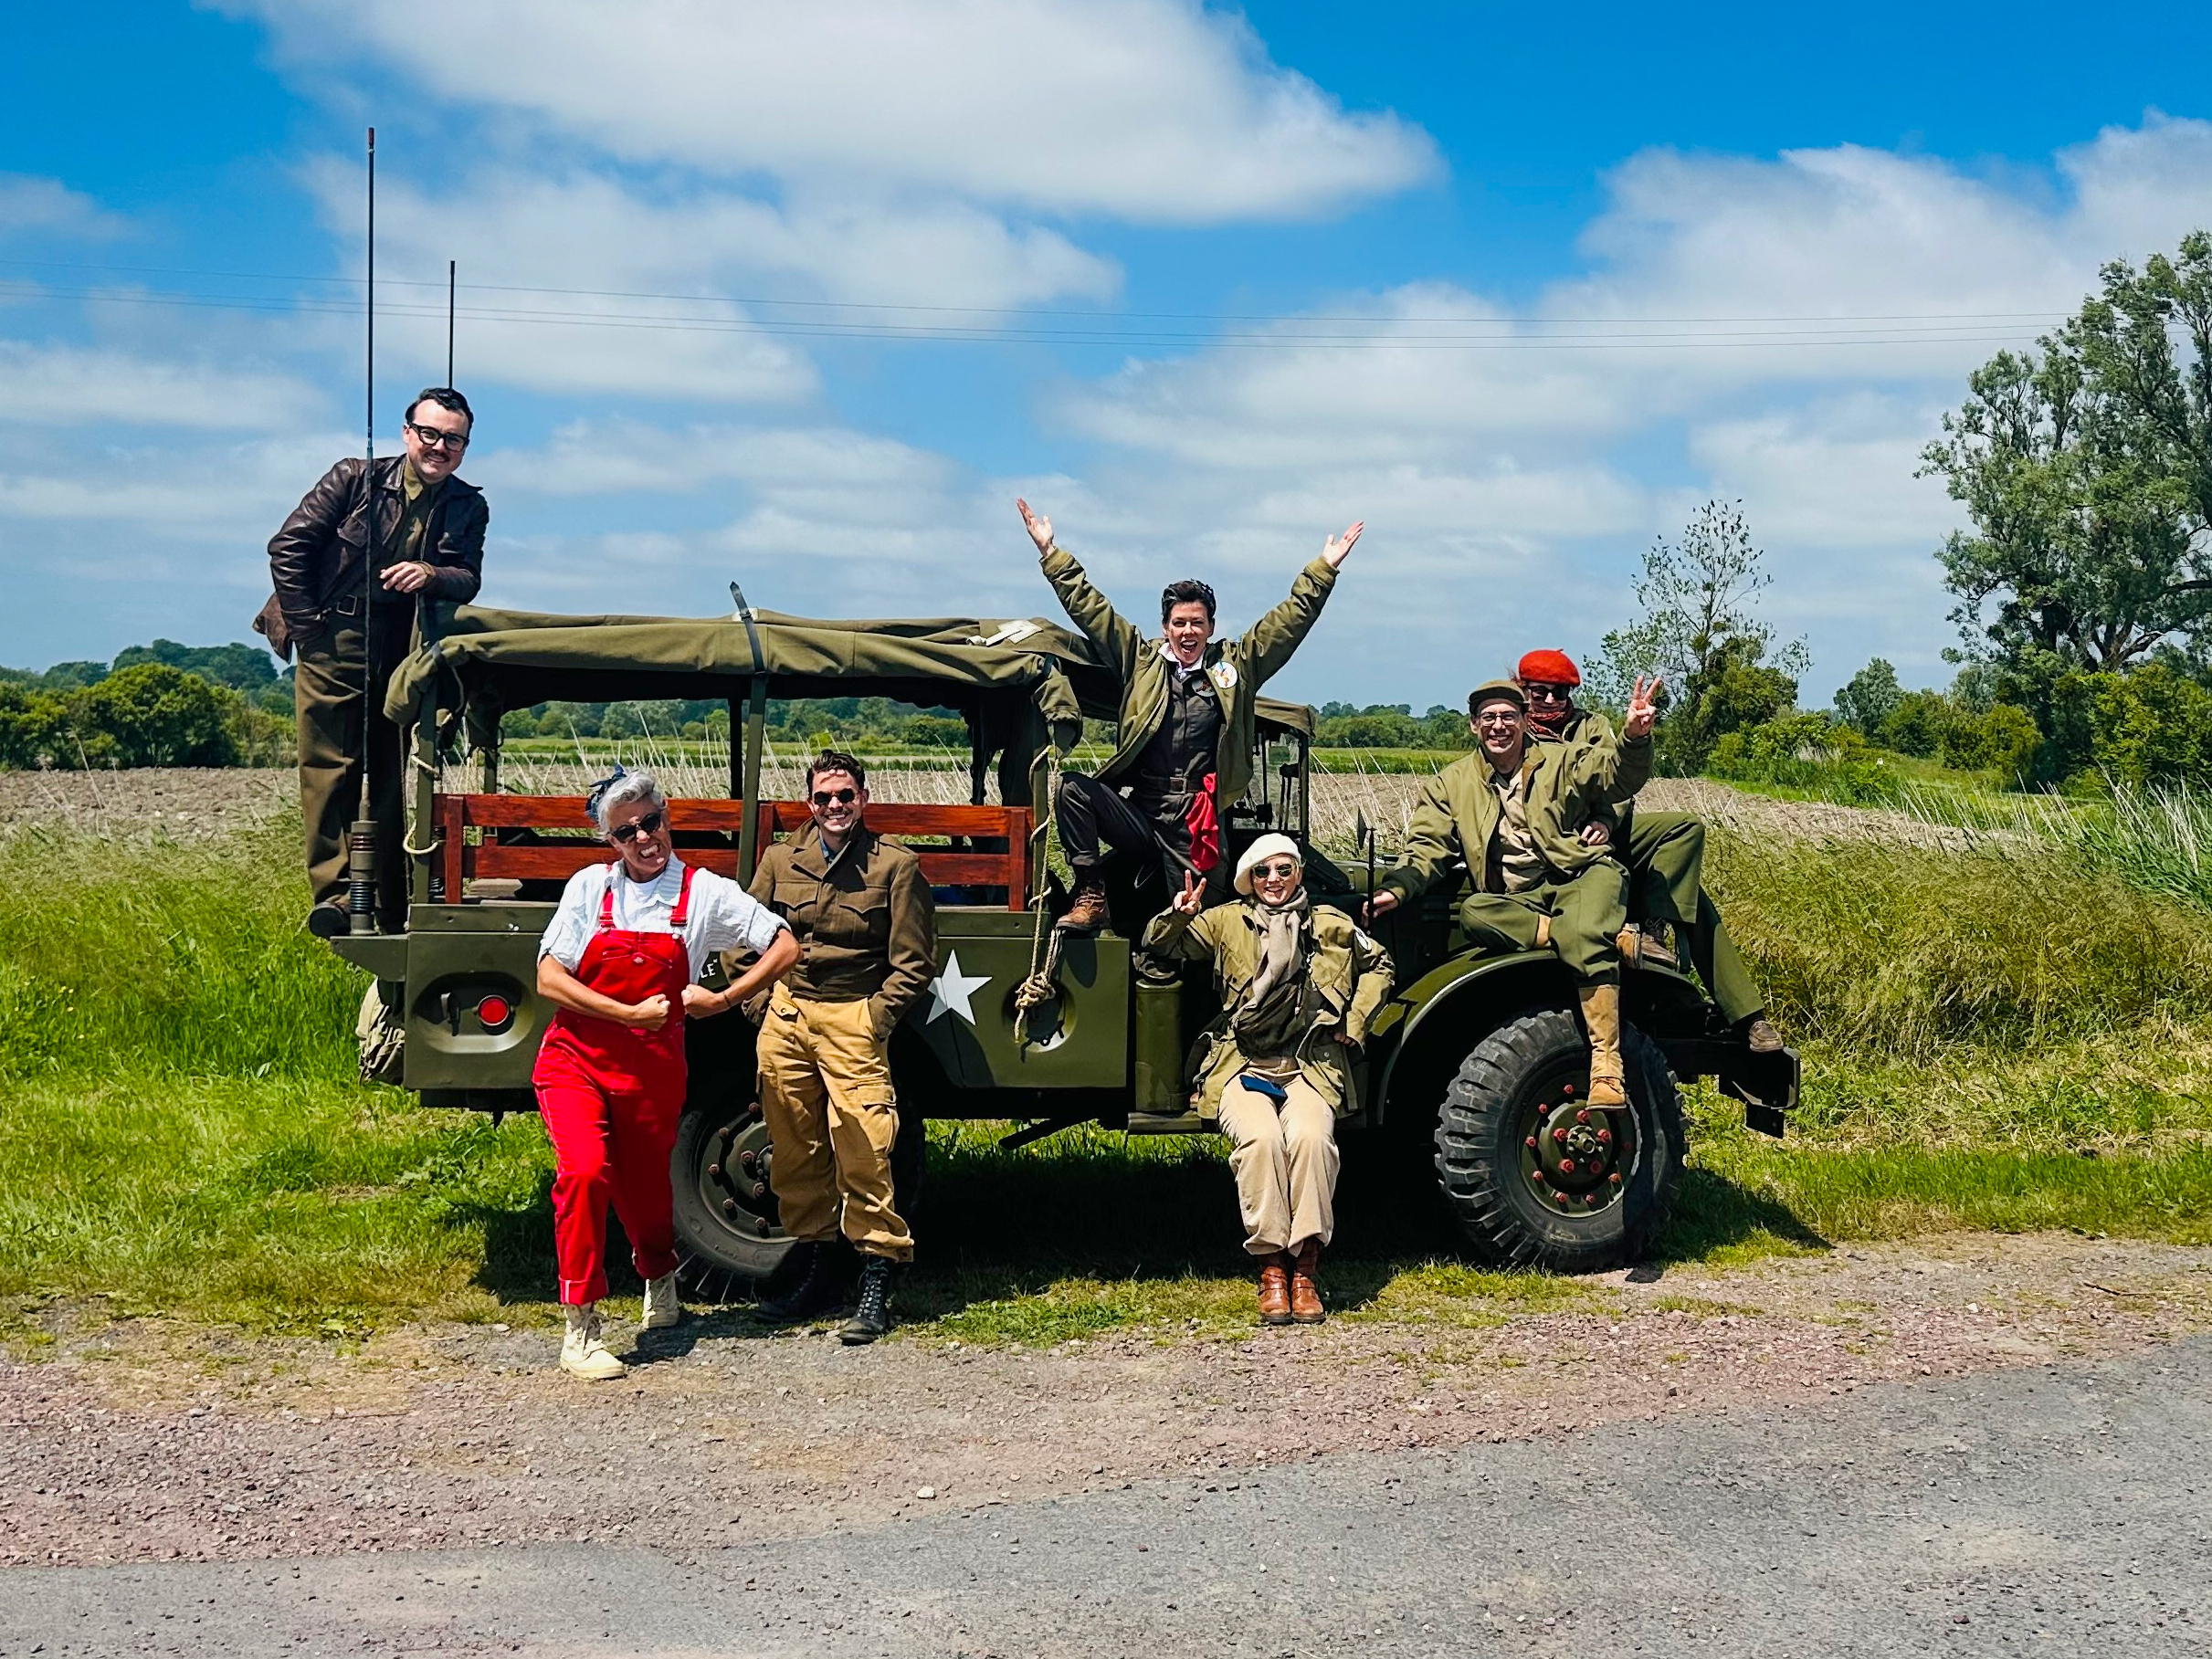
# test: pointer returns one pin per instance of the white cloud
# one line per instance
(29, 203)
(72, 386)
(1151, 110)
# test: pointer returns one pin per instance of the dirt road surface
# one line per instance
(1940, 1447)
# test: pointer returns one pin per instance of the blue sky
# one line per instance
(806, 296)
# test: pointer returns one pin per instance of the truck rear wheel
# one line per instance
(728, 1238)
(1537, 1177)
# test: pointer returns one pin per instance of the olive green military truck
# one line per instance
(1479, 1061)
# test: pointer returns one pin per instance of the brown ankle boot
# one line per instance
(1601, 1016)
(1275, 1291)
(1760, 1032)
(1087, 911)
(1305, 1294)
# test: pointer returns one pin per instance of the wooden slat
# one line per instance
(449, 817)
(902, 818)
(493, 861)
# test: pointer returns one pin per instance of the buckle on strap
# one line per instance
(348, 606)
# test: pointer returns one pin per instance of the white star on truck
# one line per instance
(953, 990)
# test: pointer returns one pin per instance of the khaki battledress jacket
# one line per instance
(1568, 784)
(865, 922)
(1238, 667)
(1348, 975)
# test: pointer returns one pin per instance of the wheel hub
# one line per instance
(1572, 1155)
(735, 1182)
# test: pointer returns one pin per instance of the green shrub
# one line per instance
(1806, 751)
(34, 728)
(2149, 726)
(1867, 698)
(2003, 740)
(154, 715)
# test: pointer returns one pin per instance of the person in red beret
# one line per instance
(1665, 853)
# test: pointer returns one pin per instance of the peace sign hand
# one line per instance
(1643, 709)
(1188, 901)
(1039, 527)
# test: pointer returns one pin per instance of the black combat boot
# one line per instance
(872, 1317)
(815, 1292)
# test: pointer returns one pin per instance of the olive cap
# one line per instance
(1496, 691)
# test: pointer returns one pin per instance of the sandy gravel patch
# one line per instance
(134, 1440)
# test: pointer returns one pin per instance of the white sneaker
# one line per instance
(663, 1308)
(583, 1354)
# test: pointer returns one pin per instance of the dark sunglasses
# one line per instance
(1281, 871)
(1539, 692)
(647, 825)
(436, 439)
(843, 797)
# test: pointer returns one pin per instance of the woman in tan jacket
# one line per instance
(1298, 985)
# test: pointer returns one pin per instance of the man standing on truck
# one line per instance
(1184, 740)
(867, 927)
(1665, 853)
(1531, 824)
(428, 545)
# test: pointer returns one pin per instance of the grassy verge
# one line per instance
(1993, 1038)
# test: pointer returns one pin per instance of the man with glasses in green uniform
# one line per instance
(428, 545)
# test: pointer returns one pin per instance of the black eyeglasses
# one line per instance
(843, 797)
(1539, 692)
(435, 439)
(647, 825)
(1282, 871)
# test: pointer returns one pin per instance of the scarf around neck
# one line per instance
(1269, 1021)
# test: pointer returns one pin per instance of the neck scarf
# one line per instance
(1269, 1019)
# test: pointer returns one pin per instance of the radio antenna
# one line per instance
(450, 283)
(361, 840)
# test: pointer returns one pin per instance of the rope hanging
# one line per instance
(1042, 985)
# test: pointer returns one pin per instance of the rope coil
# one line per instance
(1042, 984)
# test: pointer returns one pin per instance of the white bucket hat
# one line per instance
(1259, 852)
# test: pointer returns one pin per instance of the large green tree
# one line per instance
(2085, 468)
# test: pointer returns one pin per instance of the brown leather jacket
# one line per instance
(315, 558)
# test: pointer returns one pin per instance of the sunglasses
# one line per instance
(647, 825)
(433, 438)
(841, 797)
(1279, 871)
(1541, 693)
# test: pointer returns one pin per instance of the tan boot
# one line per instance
(1305, 1294)
(1275, 1290)
(1601, 1016)
(663, 1305)
(583, 1353)
(1087, 912)
(1638, 950)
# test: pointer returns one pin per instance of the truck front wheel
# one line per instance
(1538, 1177)
(727, 1234)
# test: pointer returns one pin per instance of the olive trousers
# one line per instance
(1665, 853)
(327, 704)
(825, 1091)
(1585, 914)
(1283, 1154)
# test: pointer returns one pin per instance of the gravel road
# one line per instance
(2059, 1507)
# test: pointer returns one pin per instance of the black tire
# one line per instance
(1500, 1156)
(726, 1235)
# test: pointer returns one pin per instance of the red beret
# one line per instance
(1549, 669)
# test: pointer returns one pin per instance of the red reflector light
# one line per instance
(495, 1011)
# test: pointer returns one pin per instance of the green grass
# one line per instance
(2002, 1037)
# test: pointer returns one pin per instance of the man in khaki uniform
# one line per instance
(1183, 743)
(1530, 822)
(1665, 853)
(867, 929)
(345, 625)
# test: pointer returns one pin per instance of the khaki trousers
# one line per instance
(1285, 1158)
(825, 1091)
(326, 699)
(1587, 912)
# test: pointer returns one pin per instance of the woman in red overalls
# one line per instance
(620, 963)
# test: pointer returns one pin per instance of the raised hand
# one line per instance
(1643, 709)
(1188, 901)
(1039, 527)
(1336, 547)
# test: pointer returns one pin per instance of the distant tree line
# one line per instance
(850, 722)
(158, 705)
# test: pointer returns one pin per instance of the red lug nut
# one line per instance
(1567, 1166)
(1531, 1141)
(1559, 1135)
(1605, 1136)
(1582, 1117)
(1615, 1177)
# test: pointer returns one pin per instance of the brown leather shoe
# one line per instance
(1275, 1291)
(1760, 1032)
(1087, 913)
(1305, 1294)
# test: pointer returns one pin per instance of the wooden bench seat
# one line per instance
(541, 838)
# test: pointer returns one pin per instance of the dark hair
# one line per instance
(446, 398)
(1186, 593)
(834, 760)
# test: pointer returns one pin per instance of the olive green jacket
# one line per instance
(1348, 971)
(865, 920)
(1239, 667)
(1569, 784)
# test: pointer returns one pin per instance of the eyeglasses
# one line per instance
(1280, 871)
(1542, 693)
(647, 825)
(433, 438)
(842, 797)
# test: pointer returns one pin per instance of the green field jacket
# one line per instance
(1347, 970)
(1239, 667)
(1569, 784)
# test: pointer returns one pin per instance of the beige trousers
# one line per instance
(1285, 1157)
(825, 1091)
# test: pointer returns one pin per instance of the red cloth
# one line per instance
(611, 1096)
(1549, 669)
(1202, 819)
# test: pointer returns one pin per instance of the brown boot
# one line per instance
(1601, 1016)
(1087, 912)
(1759, 1032)
(1305, 1294)
(1639, 950)
(1275, 1290)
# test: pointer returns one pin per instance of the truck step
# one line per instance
(1168, 1123)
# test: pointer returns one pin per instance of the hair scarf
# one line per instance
(1270, 1020)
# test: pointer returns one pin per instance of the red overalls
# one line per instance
(610, 1096)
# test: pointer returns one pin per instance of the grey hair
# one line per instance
(630, 786)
